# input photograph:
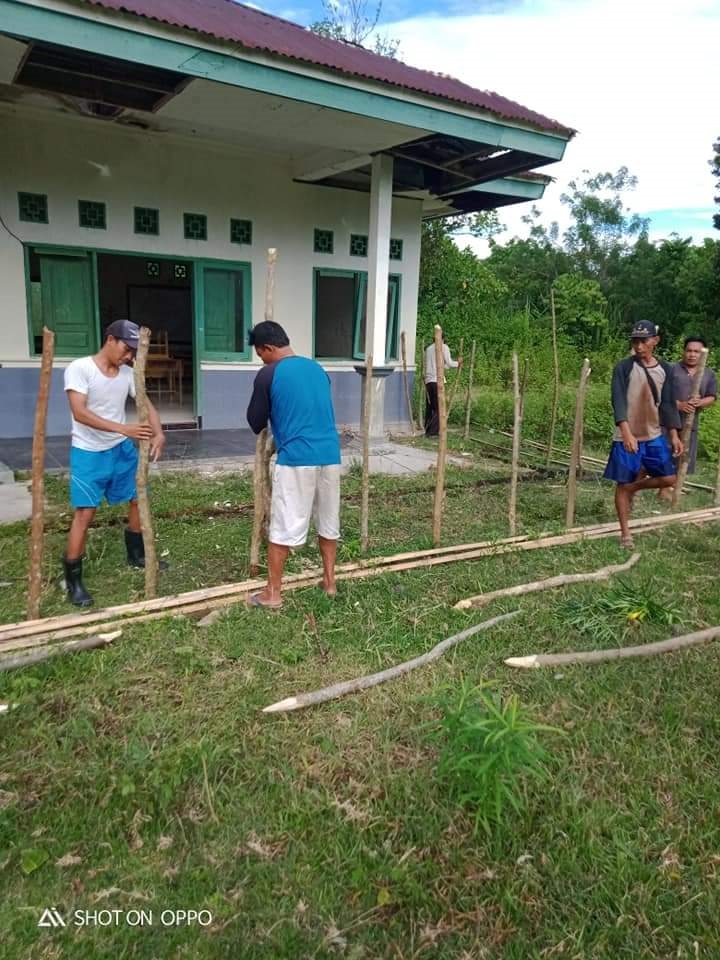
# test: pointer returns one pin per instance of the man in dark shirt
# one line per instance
(683, 375)
(643, 403)
(293, 394)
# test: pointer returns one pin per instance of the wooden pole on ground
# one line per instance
(686, 432)
(468, 395)
(403, 348)
(576, 452)
(517, 426)
(365, 479)
(38, 477)
(442, 439)
(146, 524)
(456, 381)
(556, 369)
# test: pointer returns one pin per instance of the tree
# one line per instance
(581, 311)
(715, 167)
(355, 21)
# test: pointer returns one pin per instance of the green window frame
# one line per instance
(62, 295)
(223, 305)
(359, 312)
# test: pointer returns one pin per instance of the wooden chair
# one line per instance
(163, 368)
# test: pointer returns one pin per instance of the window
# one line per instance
(61, 297)
(33, 207)
(223, 309)
(147, 221)
(340, 312)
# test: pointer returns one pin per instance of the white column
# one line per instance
(378, 257)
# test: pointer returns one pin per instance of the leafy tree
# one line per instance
(581, 310)
(355, 21)
(715, 167)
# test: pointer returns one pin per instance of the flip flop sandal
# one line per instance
(627, 542)
(255, 600)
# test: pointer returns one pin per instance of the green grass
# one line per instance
(328, 832)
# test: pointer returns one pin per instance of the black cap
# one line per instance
(644, 329)
(125, 330)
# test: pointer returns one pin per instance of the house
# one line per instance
(153, 150)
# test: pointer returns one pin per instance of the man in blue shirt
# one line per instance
(293, 394)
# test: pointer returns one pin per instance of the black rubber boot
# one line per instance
(76, 592)
(136, 550)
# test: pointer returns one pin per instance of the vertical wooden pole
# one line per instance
(403, 347)
(456, 381)
(259, 501)
(420, 381)
(442, 440)
(575, 451)
(38, 477)
(270, 284)
(468, 395)
(556, 390)
(717, 481)
(146, 524)
(517, 427)
(687, 426)
(365, 480)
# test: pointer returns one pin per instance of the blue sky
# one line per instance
(634, 77)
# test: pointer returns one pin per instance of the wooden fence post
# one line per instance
(576, 451)
(686, 432)
(442, 439)
(365, 478)
(38, 477)
(403, 347)
(468, 395)
(146, 524)
(456, 381)
(517, 426)
(556, 368)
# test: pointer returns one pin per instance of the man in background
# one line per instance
(293, 394)
(683, 375)
(432, 414)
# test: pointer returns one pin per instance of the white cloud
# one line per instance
(634, 77)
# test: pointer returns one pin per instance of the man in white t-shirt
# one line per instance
(432, 416)
(103, 457)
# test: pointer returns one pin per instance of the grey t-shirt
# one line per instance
(643, 414)
(683, 383)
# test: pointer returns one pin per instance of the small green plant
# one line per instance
(489, 750)
(623, 606)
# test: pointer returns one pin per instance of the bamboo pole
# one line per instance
(38, 477)
(442, 439)
(365, 478)
(556, 370)
(517, 426)
(45, 653)
(456, 381)
(717, 482)
(146, 523)
(687, 427)
(408, 400)
(620, 653)
(422, 394)
(270, 284)
(336, 690)
(259, 501)
(561, 580)
(575, 452)
(196, 602)
(468, 395)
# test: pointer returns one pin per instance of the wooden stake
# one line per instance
(422, 398)
(403, 348)
(576, 452)
(260, 500)
(270, 284)
(517, 426)
(45, 653)
(146, 524)
(456, 381)
(372, 680)
(717, 481)
(468, 395)
(556, 369)
(442, 439)
(38, 477)
(597, 656)
(562, 580)
(196, 602)
(686, 432)
(365, 478)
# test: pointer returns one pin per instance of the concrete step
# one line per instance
(6, 474)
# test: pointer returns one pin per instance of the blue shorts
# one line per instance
(98, 474)
(654, 455)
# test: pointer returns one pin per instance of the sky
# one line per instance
(633, 77)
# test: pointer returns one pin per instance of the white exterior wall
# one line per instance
(52, 154)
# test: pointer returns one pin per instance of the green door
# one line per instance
(223, 309)
(67, 303)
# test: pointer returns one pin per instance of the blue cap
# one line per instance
(644, 329)
(125, 330)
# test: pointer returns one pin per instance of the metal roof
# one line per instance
(253, 29)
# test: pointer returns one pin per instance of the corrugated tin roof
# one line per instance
(255, 30)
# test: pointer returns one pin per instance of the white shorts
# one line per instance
(299, 493)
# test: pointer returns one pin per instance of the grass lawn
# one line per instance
(145, 777)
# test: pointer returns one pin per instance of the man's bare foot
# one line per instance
(329, 589)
